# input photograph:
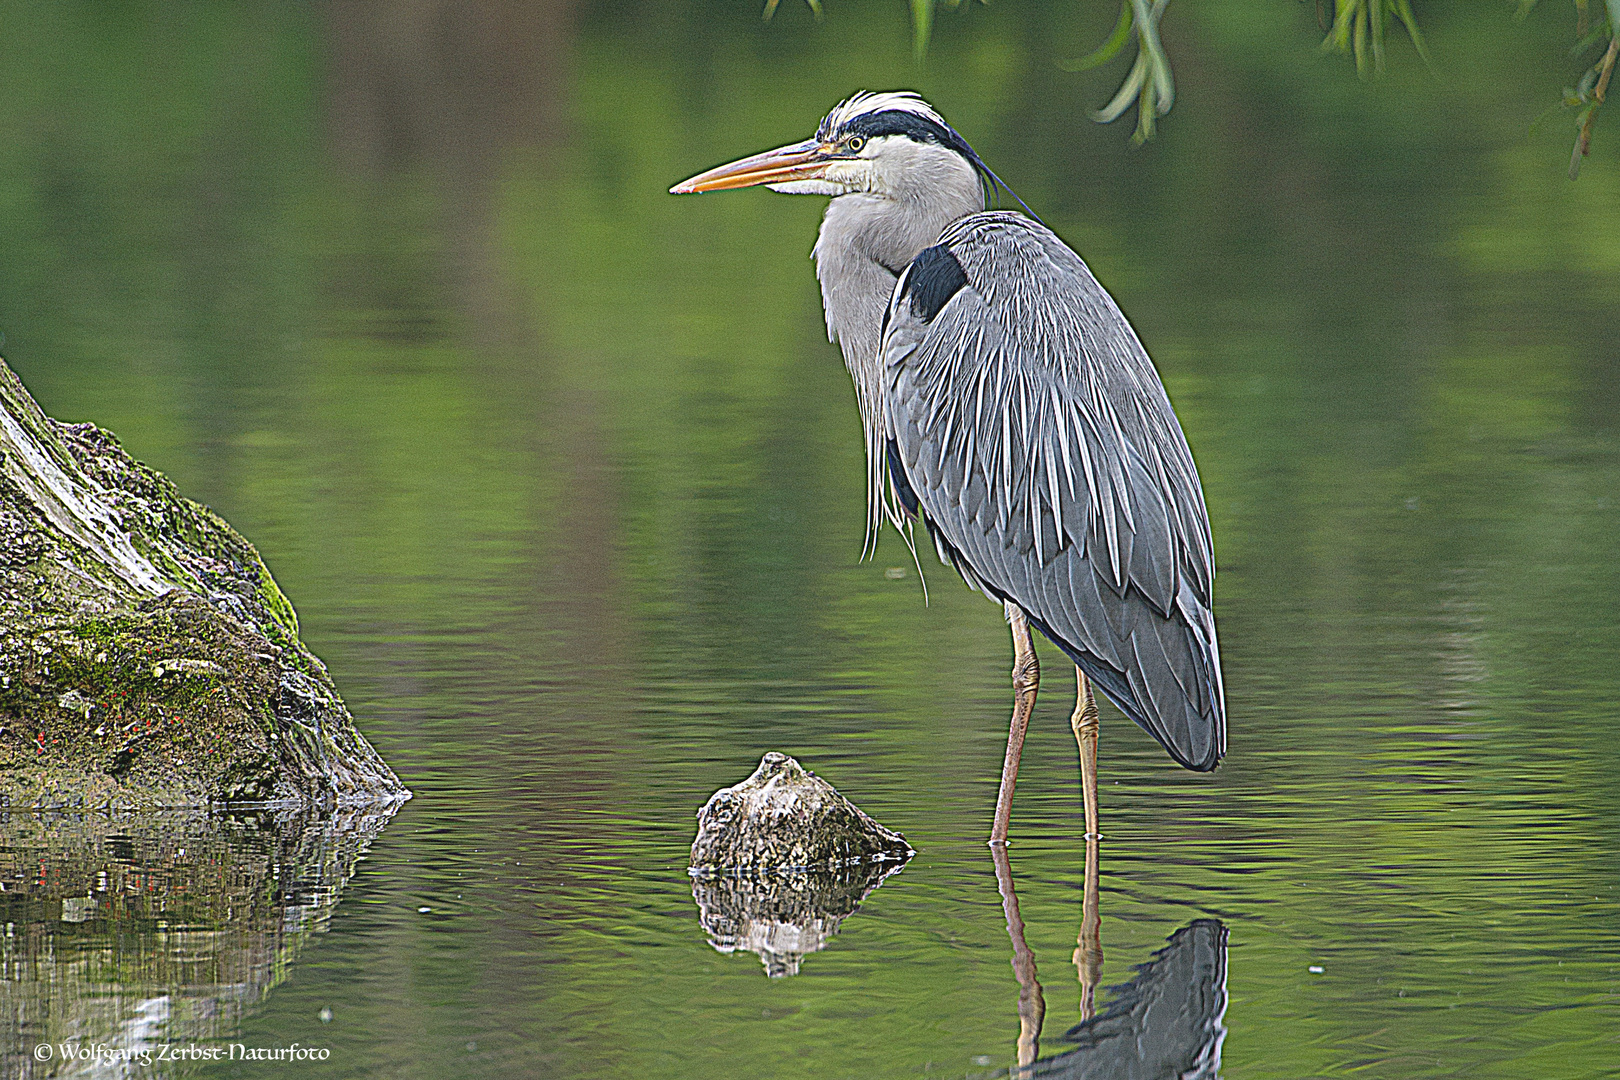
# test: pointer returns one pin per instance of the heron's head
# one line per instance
(892, 145)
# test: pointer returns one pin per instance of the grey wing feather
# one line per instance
(1050, 468)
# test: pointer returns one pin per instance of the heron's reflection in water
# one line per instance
(1165, 1023)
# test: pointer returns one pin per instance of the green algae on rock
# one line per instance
(785, 817)
(147, 658)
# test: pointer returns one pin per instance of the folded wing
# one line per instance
(1030, 429)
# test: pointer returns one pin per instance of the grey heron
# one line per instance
(1008, 403)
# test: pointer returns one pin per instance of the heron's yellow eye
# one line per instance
(855, 143)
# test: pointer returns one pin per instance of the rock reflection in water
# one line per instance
(785, 915)
(139, 931)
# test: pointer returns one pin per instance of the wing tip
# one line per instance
(1120, 692)
(1207, 764)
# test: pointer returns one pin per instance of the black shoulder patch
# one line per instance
(935, 277)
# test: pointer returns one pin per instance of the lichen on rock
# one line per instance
(147, 658)
(785, 817)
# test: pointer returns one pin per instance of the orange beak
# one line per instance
(801, 161)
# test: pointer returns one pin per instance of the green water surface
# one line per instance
(565, 482)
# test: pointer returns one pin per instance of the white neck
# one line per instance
(867, 238)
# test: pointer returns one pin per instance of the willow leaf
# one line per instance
(1108, 49)
(922, 24)
(1127, 92)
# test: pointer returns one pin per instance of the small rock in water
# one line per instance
(784, 816)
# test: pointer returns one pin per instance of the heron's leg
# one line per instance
(1088, 955)
(1026, 679)
(1084, 722)
(1031, 1002)
(1088, 948)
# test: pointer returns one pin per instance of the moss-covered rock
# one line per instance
(785, 817)
(147, 658)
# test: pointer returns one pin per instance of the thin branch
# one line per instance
(1583, 143)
